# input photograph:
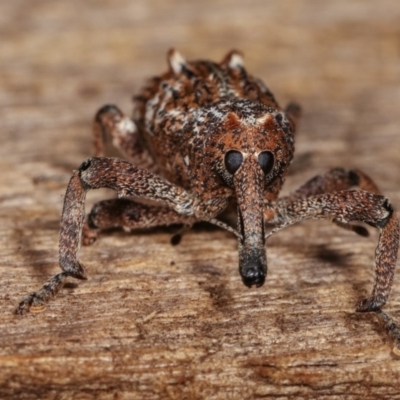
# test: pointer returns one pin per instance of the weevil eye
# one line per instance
(266, 161)
(233, 161)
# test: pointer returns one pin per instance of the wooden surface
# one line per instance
(161, 322)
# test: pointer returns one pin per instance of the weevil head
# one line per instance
(254, 140)
(251, 154)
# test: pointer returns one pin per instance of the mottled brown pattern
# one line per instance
(204, 136)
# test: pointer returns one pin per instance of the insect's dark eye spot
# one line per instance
(279, 117)
(233, 161)
(266, 161)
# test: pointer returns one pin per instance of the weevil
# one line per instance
(205, 136)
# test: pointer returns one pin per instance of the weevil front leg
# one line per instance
(127, 180)
(347, 206)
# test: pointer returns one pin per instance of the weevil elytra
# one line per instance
(204, 136)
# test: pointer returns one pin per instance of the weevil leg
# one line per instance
(392, 328)
(335, 180)
(110, 123)
(347, 206)
(36, 302)
(95, 173)
(128, 215)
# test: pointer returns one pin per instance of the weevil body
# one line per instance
(219, 133)
(204, 136)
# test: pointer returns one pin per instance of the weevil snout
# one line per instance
(249, 187)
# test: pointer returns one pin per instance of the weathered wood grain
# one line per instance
(156, 321)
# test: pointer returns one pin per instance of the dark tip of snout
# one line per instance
(253, 269)
(254, 277)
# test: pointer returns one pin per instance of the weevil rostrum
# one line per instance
(205, 136)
